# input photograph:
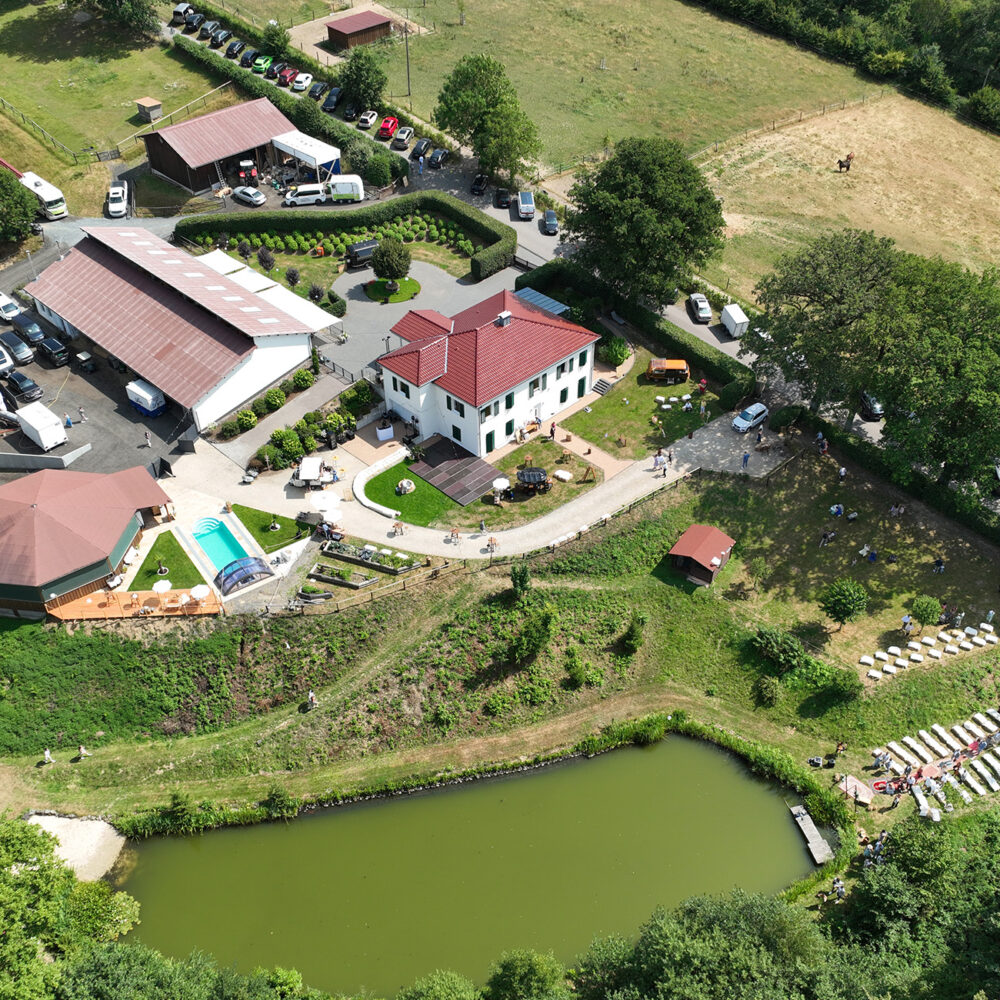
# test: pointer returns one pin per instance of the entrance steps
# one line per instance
(601, 386)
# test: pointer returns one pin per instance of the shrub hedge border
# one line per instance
(716, 365)
(500, 239)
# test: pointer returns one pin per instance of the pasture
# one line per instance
(919, 176)
(670, 69)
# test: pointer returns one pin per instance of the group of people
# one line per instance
(838, 891)
(82, 752)
(661, 462)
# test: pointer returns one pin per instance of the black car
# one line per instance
(871, 408)
(16, 347)
(332, 100)
(194, 21)
(54, 352)
(248, 57)
(479, 184)
(236, 46)
(22, 388)
(351, 112)
(27, 328)
(502, 199)
(274, 69)
(550, 222)
(438, 158)
(208, 29)
(420, 148)
(220, 37)
(318, 89)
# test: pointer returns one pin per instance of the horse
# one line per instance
(845, 164)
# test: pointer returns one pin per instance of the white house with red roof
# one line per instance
(487, 372)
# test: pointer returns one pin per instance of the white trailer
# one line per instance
(51, 202)
(734, 319)
(346, 187)
(41, 425)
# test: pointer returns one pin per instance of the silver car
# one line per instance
(753, 416)
(701, 311)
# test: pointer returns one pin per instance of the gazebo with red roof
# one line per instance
(701, 552)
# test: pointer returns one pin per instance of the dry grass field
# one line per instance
(919, 176)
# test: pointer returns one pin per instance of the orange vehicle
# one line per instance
(668, 370)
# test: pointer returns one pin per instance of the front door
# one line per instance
(581, 388)
(489, 442)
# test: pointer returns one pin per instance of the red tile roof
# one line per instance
(422, 361)
(358, 22)
(170, 341)
(703, 543)
(420, 323)
(227, 132)
(486, 360)
(55, 522)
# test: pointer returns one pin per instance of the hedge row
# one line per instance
(500, 239)
(303, 113)
(736, 378)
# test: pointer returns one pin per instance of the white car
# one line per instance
(118, 199)
(8, 307)
(753, 416)
(6, 362)
(368, 119)
(250, 196)
(303, 81)
(701, 311)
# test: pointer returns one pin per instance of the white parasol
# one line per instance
(200, 592)
(501, 484)
(162, 586)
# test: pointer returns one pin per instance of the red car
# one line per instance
(388, 128)
(287, 76)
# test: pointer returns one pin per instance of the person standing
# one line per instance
(313, 702)
(842, 473)
(47, 757)
(420, 169)
(83, 416)
(746, 460)
(149, 439)
(552, 431)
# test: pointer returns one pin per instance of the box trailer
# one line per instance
(42, 426)
(734, 319)
(145, 398)
(348, 187)
(51, 202)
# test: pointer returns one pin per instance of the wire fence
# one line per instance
(182, 112)
(18, 115)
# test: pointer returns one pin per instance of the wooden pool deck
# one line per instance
(135, 604)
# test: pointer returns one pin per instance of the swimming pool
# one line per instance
(218, 542)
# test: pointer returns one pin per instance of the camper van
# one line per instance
(346, 187)
(672, 371)
(51, 202)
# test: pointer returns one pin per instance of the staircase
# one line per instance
(601, 386)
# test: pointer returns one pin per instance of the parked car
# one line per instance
(16, 347)
(318, 89)
(219, 38)
(367, 119)
(351, 113)
(332, 99)
(250, 196)
(181, 11)
(6, 361)
(54, 351)
(525, 205)
(550, 223)
(502, 198)
(27, 328)
(8, 307)
(302, 82)
(388, 127)
(871, 408)
(193, 21)
(753, 416)
(262, 63)
(22, 388)
(236, 46)
(248, 58)
(439, 158)
(401, 140)
(274, 69)
(287, 76)
(422, 148)
(480, 183)
(701, 311)
(118, 199)
(208, 29)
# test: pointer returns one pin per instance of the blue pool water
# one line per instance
(218, 541)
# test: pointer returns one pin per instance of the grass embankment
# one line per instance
(424, 505)
(166, 549)
(629, 422)
(428, 683)
(258, 523)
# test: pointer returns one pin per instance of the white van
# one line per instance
(306, 194)
(526, 205)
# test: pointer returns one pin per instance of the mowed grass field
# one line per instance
(671, 69)
(919, 176)
(80, 78)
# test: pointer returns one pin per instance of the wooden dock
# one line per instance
(818, 847)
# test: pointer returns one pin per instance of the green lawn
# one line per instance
(408, 289)
(257, 523)
(670, 67)
(424, 505)
(621, 421)
(167, 549)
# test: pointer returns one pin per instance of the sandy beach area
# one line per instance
(89, 846)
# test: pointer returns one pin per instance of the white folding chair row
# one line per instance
(989, 759)
(971, 727)
(980, 768)
(918, 749)
(921, 800)
(953, 781)
(966, 775)
(993, 714)
(945, 737)
(935, 747)
(963, 735)
(903, 754)
(987, 724)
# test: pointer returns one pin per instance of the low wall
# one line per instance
(14, 462)
(358, 486)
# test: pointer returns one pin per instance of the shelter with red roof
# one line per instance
(701, 552)
(485, 373)
(62, 533)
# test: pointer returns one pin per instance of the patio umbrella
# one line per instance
(200, 592)
(162, 586)
(501, 484)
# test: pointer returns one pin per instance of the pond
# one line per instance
(371, 896)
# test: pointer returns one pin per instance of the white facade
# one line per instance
(496, 422)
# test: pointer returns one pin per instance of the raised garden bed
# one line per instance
(327, 573)
(376, 560)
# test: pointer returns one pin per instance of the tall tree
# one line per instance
(276, 39)
(138, 15)
(18, 208)
(644, 218)
(364, 78)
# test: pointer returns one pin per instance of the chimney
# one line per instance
(504, 318)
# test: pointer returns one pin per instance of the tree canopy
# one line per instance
(644, 219)
(139, 15)
(18, 208)
(479, 106)
(364, 78)
(844, 601)
(391, 260)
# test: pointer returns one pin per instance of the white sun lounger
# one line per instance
(989, 759)
(953, 781)
(974, 729)
(966, 775)
(935, 747)
(946, 738)
(980, 768)
(921, 800)
(918, 749)
(903, 754)
(965, 738)
(993, 714)
(988, 724)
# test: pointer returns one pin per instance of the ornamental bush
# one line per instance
(338, 305)
(259, 406)
(229, 429)
(275, 399)
(247, 419)
(302, 379)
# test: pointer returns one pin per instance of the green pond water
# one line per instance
(371, 896)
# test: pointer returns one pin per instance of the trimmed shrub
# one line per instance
(614, 351)
(259, 406)
(303, 378)
(785, 416)
(732, 394)
(246, 419)
(779, 648)
(229, 429)
(338, 305)
(767, 690)
(287, 387)
(275, 399)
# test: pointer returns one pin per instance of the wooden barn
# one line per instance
(701, 552)
(358, 29)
